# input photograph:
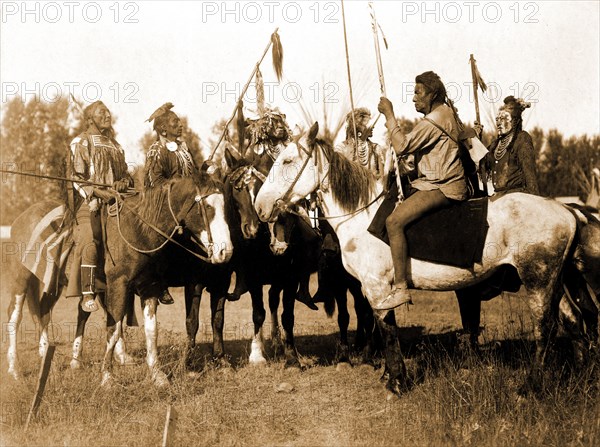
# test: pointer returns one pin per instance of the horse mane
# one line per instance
(351, 184)
(153, 200)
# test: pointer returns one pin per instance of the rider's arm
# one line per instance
(154, 169)
(525, 154)
(81, 166)
(423, 135)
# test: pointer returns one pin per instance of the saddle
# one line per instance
(453, 236)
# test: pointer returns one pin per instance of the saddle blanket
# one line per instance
(453, 236)
(48, 248)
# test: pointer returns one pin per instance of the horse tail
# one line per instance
(329, 305)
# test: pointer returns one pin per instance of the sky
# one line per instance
(135, 56)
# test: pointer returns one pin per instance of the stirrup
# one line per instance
(397, 297)
(89, 304)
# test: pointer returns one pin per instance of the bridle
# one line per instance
(281, 204)
(199, 201)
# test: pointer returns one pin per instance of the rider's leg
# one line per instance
(89, 263)
(413, 208)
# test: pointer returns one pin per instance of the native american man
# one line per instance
(98, 158)
(360, 148)
(168, 157)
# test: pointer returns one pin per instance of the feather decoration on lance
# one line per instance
(241, 127)
(260, 93)
(277, 53)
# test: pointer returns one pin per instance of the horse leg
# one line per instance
(82, 317)
(395, 369)
(274, 298)
(217, 308)
(193, 296)
(121, 354)
(15, 311)
(469, 305)
(341, 298)
(151, 330)
(258, 318)
(287, 322)
(113, 333)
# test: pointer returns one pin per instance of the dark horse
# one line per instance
(283, 255)
(191, 205)
(195, 275)
(334, 284)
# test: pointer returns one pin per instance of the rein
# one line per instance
(177, 229)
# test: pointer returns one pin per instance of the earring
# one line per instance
(164, 133)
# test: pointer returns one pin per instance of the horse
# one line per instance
(536, 248)
(334, 284)
(196, 275)
(280, 256)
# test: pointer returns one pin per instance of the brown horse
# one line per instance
(517, 236)
(135, 228)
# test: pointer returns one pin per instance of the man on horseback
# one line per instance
(440, 174)
(168, 157)
(359, 147)
(97, 158)
(269, 135)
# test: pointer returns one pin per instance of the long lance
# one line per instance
(349, 78)
(235, 109)
(383, 91)
(58, 179)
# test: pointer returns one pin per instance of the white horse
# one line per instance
(532, 234)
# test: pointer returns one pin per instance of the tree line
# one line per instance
(35, 138)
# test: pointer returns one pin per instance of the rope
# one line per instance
(168, 238)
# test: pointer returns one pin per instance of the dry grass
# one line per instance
(457, 399)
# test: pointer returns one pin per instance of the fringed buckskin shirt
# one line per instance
(99, 159)
(163, 164)
(436, 156)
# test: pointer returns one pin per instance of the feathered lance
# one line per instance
(277, 66)
(349, 78)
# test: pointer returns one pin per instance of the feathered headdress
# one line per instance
(160, 111)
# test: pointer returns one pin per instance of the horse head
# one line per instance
(293, 176)
(198, 205)
(280, 231)
(243, 182)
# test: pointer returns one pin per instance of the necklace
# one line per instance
(363, 153)
(502, 147)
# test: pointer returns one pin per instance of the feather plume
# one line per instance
(260, 93)
(161, 111)
(241, 126)
(277, 53)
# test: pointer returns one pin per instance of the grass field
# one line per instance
(457, 399)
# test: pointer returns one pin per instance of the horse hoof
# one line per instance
(14, 374)
(292, 364)
(343, 366)
(106, 380)
(75, 364)
(257, 360)
(389, 396)
(125, 360)
(160, 379)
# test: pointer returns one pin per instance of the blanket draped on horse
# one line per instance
(452, 236)
(48, 249)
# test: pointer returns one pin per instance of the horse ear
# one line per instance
(312, 133)
(230, 159)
